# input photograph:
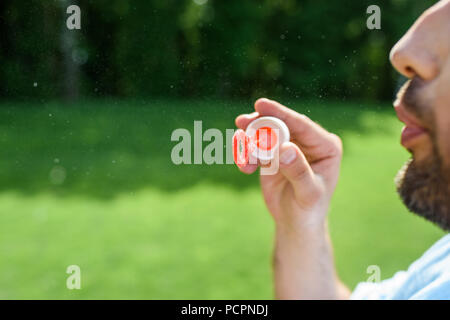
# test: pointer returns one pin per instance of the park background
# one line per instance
(85, 123)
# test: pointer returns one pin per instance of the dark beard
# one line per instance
(424, 190)
(424, 187)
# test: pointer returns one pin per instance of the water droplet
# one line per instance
(200, 2)
(57, 175)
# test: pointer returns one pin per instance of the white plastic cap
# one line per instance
(278, 127)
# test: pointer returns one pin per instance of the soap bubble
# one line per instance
(57, 175)
(80, 56)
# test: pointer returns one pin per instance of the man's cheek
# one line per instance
(443, 141)
(443, 135)
(442, 117)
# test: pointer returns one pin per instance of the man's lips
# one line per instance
(412, 130)
(409, 133)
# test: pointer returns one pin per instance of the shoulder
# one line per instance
(438, 289)
(427, 278)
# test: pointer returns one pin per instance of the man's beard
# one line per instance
(424, 190)
(424, 187)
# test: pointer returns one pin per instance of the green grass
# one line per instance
(141, 227)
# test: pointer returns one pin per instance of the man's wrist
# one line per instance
(291, 231)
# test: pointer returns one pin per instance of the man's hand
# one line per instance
(299, 194)
(298, 197)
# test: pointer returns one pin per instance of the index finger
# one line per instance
(305, 131)
(243, 120)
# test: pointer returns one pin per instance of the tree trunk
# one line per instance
(71, 72)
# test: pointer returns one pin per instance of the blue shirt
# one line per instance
(427, 278)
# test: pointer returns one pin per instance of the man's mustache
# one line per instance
(409, 96)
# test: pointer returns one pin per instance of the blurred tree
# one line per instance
(186, 48)
(68, 45)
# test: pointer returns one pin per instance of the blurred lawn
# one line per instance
(93, 185)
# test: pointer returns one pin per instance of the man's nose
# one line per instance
(412, 58)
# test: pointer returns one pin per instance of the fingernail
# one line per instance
(288, 155)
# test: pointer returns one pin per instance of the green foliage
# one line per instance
(178, 48)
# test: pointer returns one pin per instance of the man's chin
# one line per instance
(424, 190)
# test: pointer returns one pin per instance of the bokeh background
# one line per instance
(86, 118)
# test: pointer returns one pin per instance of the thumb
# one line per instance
(296, 169)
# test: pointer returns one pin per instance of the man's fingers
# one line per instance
(248, 168)
(244, 120)
(296, 169)
(304, 130)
